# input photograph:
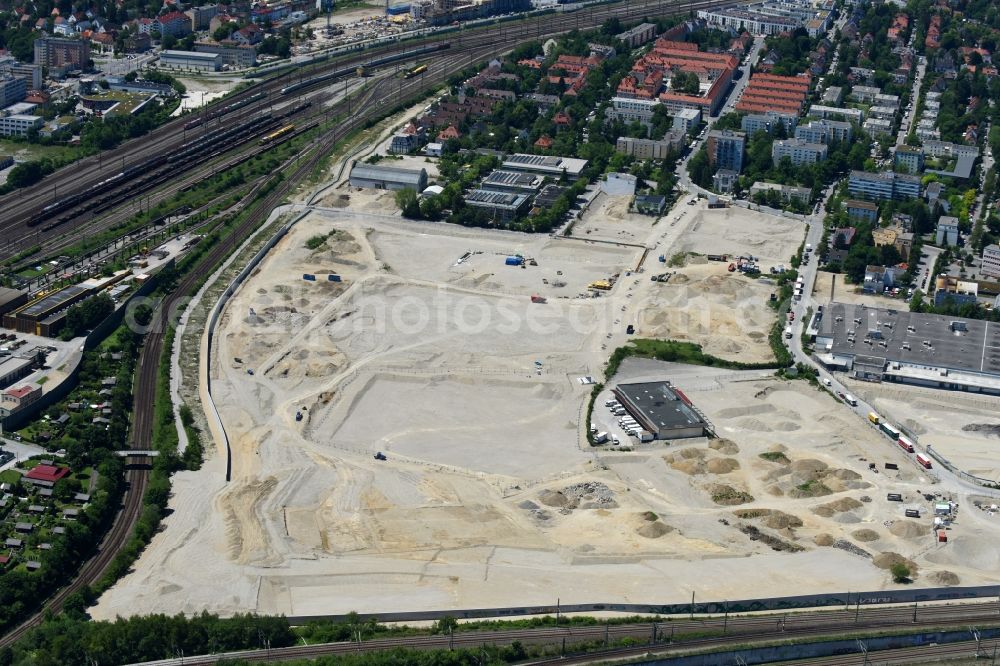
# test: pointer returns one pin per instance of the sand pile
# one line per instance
(775, 519)
(887, 559)
(728, 495)
(944, 578)
(722, 465)
(865, 535)
(823, 540)
(907, 529)
(841, 505)
(724, 446)
(654, 530)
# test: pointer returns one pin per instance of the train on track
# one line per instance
(218, 113)
(348, 71)
(416, 71)
(268, 138)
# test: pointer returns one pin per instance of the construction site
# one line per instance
(406, 406)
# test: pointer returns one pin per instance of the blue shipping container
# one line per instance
(333, 278)
(307, 276)
(397, 10)
(514, 261)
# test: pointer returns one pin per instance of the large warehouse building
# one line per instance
(388, 178)
(661, 409)
(939, 351)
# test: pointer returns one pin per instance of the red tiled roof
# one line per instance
(20, 392)
(49, 473)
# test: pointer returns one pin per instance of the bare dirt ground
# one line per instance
(964, 428)
(736, 231)
(429, 350)
(850, 293)
(706, 304)
(609, 218)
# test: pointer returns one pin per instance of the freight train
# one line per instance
(348, 71)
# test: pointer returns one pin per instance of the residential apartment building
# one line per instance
(787, 192)
(650, 149)
(909, 159)
(991, 261)
(639, 35)
(32, 74)
(201, 17)
(630, 110)
(798, 151)
(686, 119)
(53, 52)
(852, 115)
(878, 186)
(725, 149)
(824, 131)
(767, 122)
(947, 231)
(174, 23)
(12, 90)
(865, 211)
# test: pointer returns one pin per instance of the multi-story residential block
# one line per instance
(686, 119)
(32, 74)
(909, 159)
(650, 149)
(852, 115)
(878, 186)
(947, 231)
(639, 35)
(201, 17)
(12, 90)
(798, 151)
(991, 261)
(864, 94)
(787, 192)
(865, 211)
(174, 23)
(630, 110)
(767, 122)
(53, 52)
(824, 131)
(725, 149)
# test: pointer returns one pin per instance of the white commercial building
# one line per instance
(191, 61)
(19, 125)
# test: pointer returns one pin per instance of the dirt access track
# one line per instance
(429, 350)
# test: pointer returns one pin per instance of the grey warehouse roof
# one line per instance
(952, 343)
(395, 174)
(660, 404)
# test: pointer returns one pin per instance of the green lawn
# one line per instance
(30, 151)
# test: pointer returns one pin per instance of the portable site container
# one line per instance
(942, 536)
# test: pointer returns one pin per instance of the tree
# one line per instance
(900, 573)
(169, 41)
(408, 203)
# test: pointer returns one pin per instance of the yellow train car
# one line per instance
(277, 134)
(416, 71)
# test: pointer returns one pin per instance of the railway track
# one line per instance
(369, 105)
(22, 205)
(660, 636)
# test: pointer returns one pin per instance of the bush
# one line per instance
(900, 573)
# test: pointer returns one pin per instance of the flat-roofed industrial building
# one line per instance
(11, 299)
(661, 409)
(939, 351)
